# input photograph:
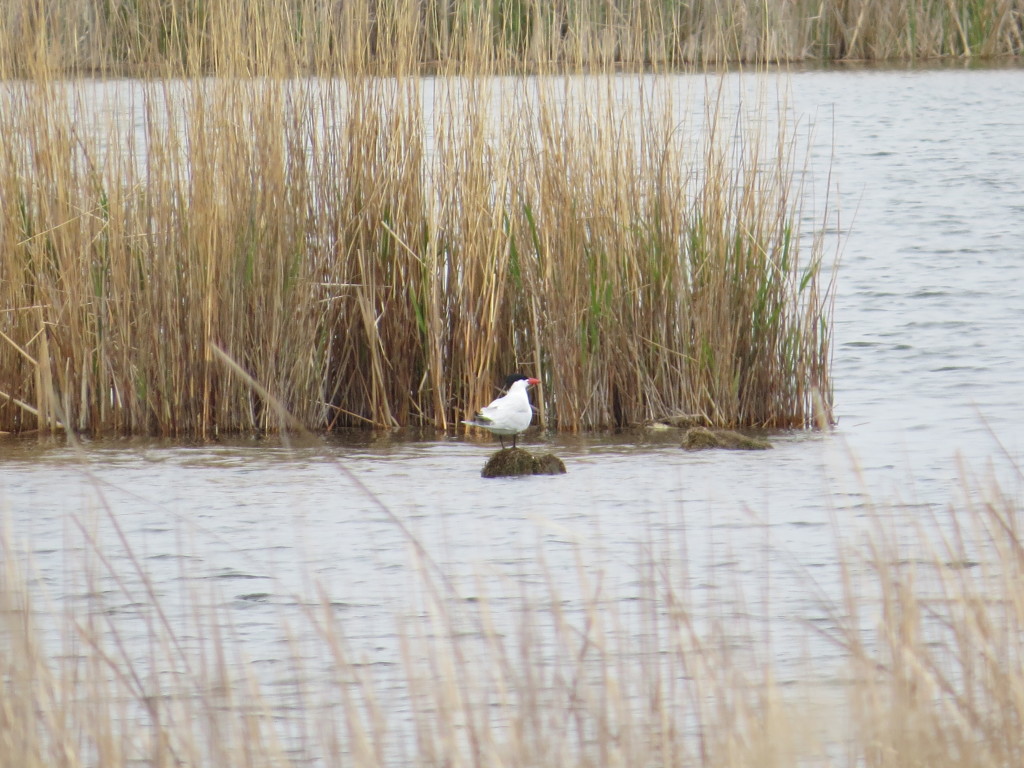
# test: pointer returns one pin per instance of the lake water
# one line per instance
(929, 361)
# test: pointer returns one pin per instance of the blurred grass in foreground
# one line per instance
(927, 622)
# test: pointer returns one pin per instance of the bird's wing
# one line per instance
(494, 410)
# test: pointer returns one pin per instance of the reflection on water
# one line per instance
(928, 365)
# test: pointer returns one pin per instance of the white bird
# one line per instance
(508, 415)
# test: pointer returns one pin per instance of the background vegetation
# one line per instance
(154, 36)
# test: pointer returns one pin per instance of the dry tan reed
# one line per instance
(371, 264)
(364, 282)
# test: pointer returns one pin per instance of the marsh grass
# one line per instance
(123, 672)
(147, 37)
(376, 251)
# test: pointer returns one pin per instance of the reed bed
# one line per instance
(146, 37)
(380, 251)
(122, 672)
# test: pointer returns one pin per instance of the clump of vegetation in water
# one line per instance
(371, 249)
(701, 438)
(516, 462)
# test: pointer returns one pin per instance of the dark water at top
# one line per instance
(929, 360)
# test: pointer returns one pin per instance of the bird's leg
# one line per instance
(502, 441)
(514, 440)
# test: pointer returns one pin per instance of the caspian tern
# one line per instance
(508, 415)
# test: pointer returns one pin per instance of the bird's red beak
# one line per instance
(533, 382)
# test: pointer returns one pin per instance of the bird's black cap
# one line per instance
(513, 378)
